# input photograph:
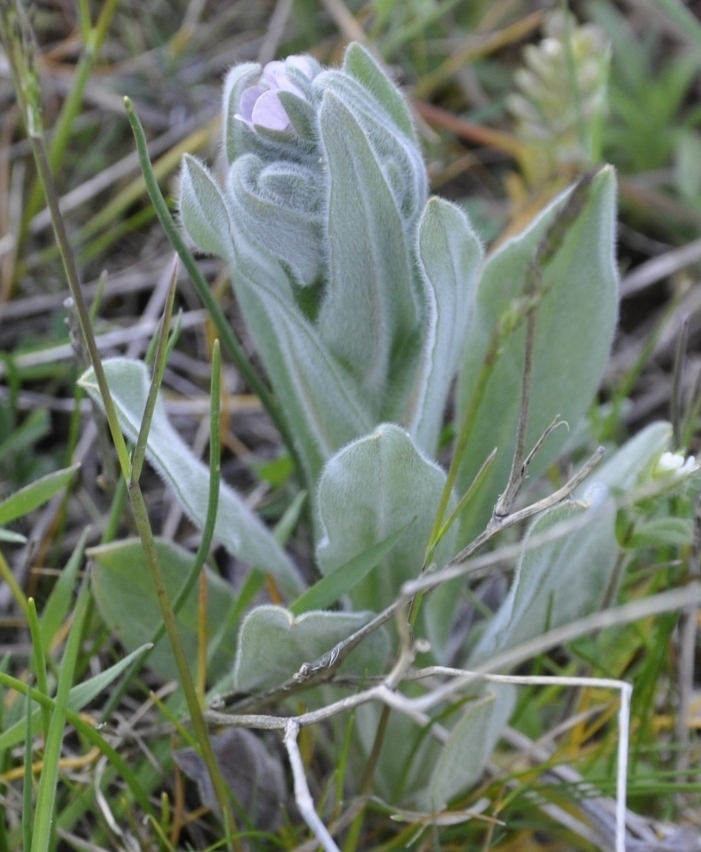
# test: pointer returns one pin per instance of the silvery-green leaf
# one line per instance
(372, 488)
(320, 398)
(302, 116)
(398, 153)
(202, 208)
(559, 581)
(370, 310)
(450, 255)
(273, 644)
(237, 527)
(470, 745)
(234, 131)
(359, 63)
(637, 456)
(657, 532)
(281, 209)
(574, 327)
(123, 590)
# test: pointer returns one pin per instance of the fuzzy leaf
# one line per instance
(124, 593)
(280, 206)
(202, 208)
(370, 310)
(450, 255)
(370, 490)
(574, 327)
(636, 457)
(320, 398)
(273, 644)
(238, 78)
(470, 745)
(360, 64)
(559, 581)
(237, 527)
(398, 152)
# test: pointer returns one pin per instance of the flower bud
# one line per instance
(260, 104)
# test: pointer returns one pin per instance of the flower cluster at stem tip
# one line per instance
(260, 104)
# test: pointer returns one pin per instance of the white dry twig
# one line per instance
(303, 797)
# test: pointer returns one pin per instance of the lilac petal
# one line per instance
(303, 64)
(276, 78)
(247, 101)
(269, 112)
(270, 73)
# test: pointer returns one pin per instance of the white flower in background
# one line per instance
(675, 464)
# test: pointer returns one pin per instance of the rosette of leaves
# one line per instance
(364, 299)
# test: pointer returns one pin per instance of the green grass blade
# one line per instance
(28, 779)
(80, 695)
(57, 606)
(27, 499)
(330, 588)
(39, 661)
(90, 734)
(46, 796)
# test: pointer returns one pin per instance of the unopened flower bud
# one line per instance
(260, 105)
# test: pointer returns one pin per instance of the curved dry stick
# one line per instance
(303, 797)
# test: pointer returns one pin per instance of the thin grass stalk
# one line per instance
(69, 264)
(201, 673)
(28, 781)
(466, 428)
(8, 577)
(139, 454)
(46, 795)
(356, 827)
(149, 544)
(464, 500)
(39, 660)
